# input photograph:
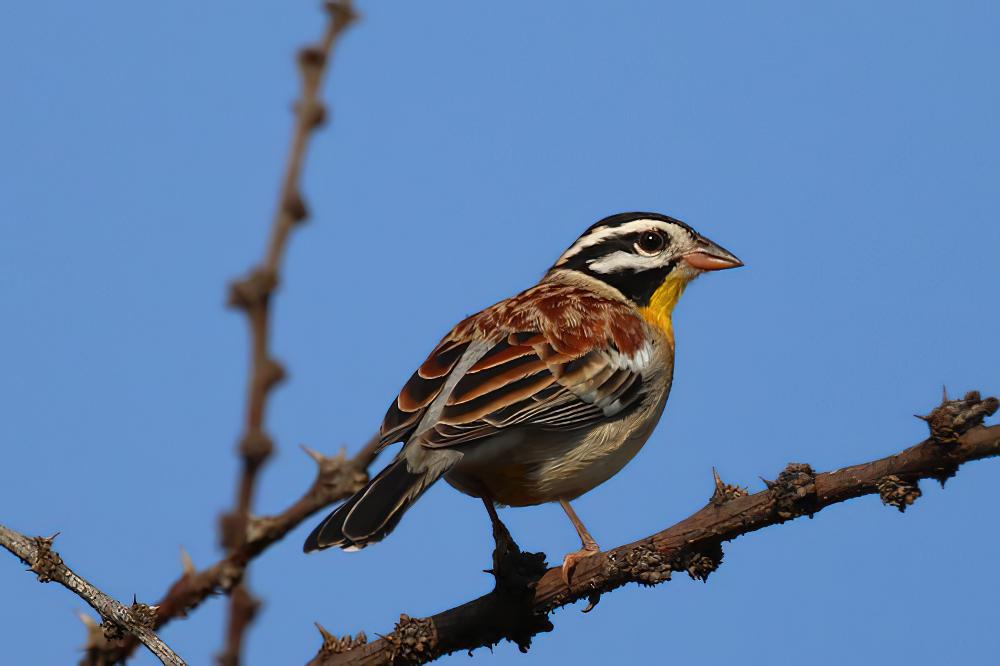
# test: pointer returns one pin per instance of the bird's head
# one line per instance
(647, 257)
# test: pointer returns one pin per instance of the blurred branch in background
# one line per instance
(525, 592)
(252, 294)
(242, 535)
(37, 553)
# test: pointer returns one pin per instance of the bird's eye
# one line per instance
(650, 243)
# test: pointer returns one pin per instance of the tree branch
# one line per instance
(337, 477)
(517, 609)
(37, 553)
(252, 295)
(243, 535)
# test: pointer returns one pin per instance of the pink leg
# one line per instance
(590, 546)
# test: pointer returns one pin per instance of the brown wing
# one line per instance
(524, 381)
(569, 361)
(420, 391)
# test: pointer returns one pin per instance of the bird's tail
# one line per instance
(373, 511)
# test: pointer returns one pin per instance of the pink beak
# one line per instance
(711, 257)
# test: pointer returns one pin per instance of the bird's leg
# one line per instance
(510, 565)
(590, 546)
(501, 535)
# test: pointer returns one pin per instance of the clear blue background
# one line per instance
(848, 152)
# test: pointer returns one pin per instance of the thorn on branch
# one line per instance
(699, 564)
(318, 457)
(953, 418)
(334, 645)
(944, 474)
(896, 492)
(254, 290)
(725, 492)
(794, 491)
(413, 640)
(187, 564)
(47, 561)
(335, 475)
(144, 614)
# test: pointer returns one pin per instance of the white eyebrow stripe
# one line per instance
(620, 261)
(600, 235)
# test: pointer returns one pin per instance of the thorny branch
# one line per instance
(525, 593)
(337, 477)
(252, 294)
(244, 535)
(38, 554)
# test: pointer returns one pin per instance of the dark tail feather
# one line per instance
(373, 512)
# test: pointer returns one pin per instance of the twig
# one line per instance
(337, 477)
(693, 545)
(37, 553)
(252, 294)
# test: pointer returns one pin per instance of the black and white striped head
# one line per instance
(637, 252)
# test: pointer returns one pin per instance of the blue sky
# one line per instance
(847, 152)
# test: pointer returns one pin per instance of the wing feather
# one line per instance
(562, 393)
(533, 373)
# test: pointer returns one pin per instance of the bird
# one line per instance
(545, 395)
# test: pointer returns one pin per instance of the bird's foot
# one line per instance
(571, 560)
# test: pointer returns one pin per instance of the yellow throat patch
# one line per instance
(661, 306)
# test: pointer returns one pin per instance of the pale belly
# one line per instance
(531, 466)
